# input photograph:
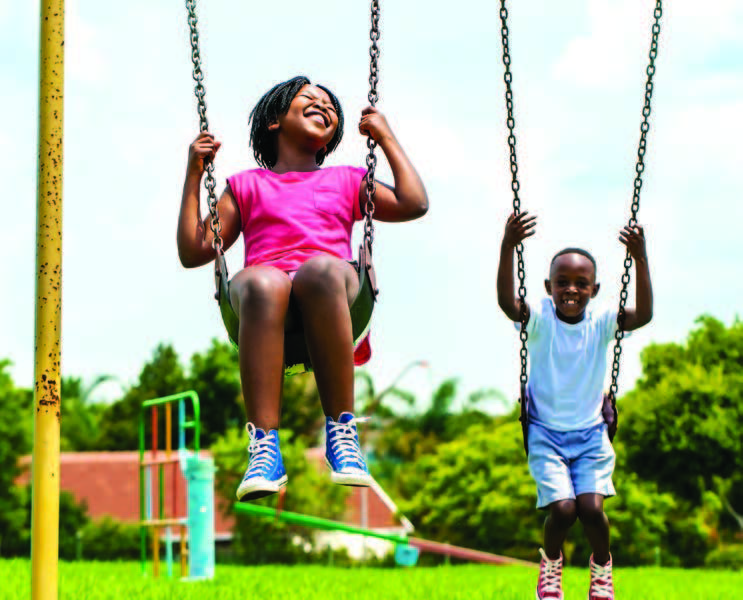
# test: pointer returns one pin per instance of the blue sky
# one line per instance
(578, 83)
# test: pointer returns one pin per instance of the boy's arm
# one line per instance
(634, 318)
(195, 235)
(407, 200)
(518, 228)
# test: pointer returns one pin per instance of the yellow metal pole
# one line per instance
(47, 401)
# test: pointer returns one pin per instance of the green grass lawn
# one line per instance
(104, 581)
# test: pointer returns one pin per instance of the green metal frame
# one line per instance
(315, 522)
(194, 424)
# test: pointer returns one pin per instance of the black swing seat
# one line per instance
(296, 355)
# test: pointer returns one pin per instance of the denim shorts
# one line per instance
(566, 464)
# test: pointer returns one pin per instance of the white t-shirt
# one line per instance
(567, 366)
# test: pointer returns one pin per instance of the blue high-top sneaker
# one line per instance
(265, 474)
(343, 453)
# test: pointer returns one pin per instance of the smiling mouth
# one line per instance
(570, 301)
(314, 113)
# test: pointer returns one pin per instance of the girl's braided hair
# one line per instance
(270, 107)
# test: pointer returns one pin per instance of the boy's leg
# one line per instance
(324, 288)
(596, 525)
(549, 468)
(562, 515)
(592, 469)
(260, 297)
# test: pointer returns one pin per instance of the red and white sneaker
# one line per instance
(550, 578)
(602, 586)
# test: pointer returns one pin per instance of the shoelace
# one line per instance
(261, 452)
(550, 580)
(601, 586)
(343, 441)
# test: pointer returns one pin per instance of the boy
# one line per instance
(570, 455)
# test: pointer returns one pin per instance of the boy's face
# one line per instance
(572, 284)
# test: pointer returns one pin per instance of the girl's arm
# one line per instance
(407, 200)
(194, 234)
(634, 318)
(518, 228)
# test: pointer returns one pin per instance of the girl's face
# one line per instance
(311, 118)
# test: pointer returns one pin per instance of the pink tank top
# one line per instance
(290, 217)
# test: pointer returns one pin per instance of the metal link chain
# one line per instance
(209, 183)
(511, 124)
(371, 159)
(639, 168)
(200, 91)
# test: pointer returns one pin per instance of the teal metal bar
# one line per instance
(315, 522)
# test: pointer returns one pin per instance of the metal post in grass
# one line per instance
(47, 398)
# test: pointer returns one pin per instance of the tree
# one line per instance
(476, 492)
(161, 376)
(15, 440)
(681, 425)
(80, 418)
(215, 377)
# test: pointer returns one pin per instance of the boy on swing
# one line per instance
(570, 455)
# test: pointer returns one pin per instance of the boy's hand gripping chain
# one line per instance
(639, 168)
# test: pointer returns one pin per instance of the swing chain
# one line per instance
(639, 168)
(209, 183)
(511, 124)
(371, 159)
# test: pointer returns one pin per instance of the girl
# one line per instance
(296, 221)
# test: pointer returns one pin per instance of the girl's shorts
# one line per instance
(566, 464)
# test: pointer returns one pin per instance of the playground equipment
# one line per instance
(197, 560)
(406, 549)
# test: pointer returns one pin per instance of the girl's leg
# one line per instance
(596, 525)
(562, 515)
(260, 297)
(324, 288)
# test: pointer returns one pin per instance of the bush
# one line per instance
(109, 539)
(727, 557)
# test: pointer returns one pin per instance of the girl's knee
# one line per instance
(320, 275)
(563, 512)
(261, 286)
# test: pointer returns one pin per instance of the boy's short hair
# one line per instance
(274, 103)
(580, 251)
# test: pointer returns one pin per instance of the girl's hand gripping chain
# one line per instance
(202, 150)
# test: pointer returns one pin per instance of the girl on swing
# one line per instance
(296, 220)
